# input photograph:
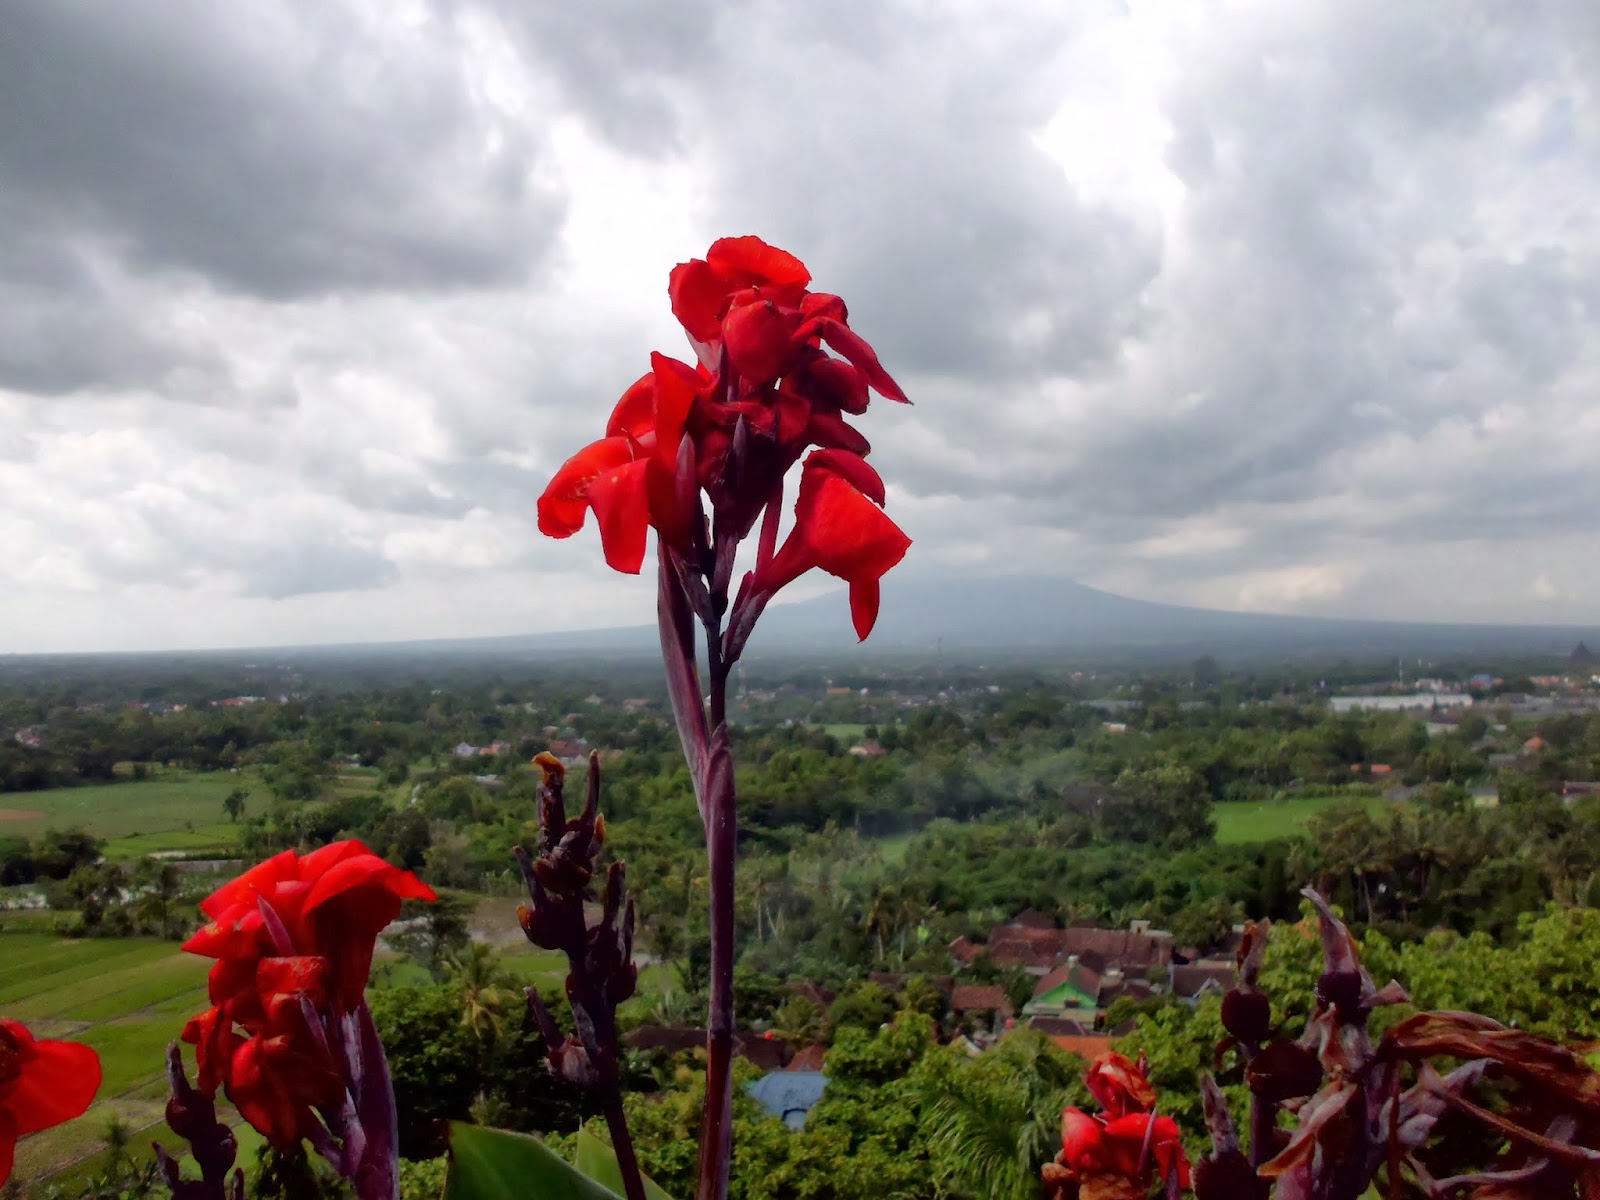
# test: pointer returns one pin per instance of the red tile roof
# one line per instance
(808, 1058)
(974, 997)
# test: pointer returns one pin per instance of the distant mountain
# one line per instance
(1034, 613)
(1028, 615)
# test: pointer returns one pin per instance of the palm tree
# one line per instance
(882, 914)
(996, 1121)
(486, 989)
(160, 886)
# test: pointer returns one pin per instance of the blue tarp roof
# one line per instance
(789, 1095)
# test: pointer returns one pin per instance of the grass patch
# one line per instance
(893, 847)
(845, 731)
(172, 803)
(221, 840)
(1242, 823)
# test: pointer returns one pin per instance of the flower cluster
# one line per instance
(764, 391)
(42, 1083)
(1118, 1153)
(293, 938)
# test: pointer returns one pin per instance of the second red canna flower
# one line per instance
(293, 938)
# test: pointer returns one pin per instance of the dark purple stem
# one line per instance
(716, 1127)
(1263, 1129)
(622, 1145)
(680, 598)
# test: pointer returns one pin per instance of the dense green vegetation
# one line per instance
(877, 828)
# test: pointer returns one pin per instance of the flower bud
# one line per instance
(1247, 1015)
(1283, 1071)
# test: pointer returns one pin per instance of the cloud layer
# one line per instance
(1244, 304)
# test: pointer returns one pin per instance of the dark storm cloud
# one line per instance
(1353, 276)
(892, 142)
(291, 308)
(277, 149)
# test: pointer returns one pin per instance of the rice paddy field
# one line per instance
(127, 998)
(177, 811)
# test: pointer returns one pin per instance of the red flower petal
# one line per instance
(760, 341)
(258, 880)
(749, 259)
(1119, 1085)
(565, 502)
(1082, 1140)
(303, 974)
(621, 500)
(831, 430)
(261, 1099)
(864, 597)
(57, 1082)
(840, 530)
(849, 535)
(824, 304)
(835, 382)
(852, 467)
(697, 298)
(211, 1034)
(852, 346)
(635, 414)
(677, 385)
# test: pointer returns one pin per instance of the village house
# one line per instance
(981, 1003)
(1072, 990)
(1191, 981)
(1072, 1036)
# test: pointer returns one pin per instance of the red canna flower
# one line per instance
(42, 1083)
(767, 388)
(1136, 1147)
(841, 528)
(1117, 1154)
(331, 903)
(293, 938)
(1119, 1084)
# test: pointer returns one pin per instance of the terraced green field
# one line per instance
(127, 998)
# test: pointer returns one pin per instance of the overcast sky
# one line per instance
(1288, 306)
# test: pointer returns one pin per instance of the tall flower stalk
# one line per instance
(699, 453)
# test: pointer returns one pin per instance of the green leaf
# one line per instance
(598, 1161)
(492, 1164)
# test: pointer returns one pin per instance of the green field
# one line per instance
(177, 811)
(1241, 823)
(894, 847)
(845, 731)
